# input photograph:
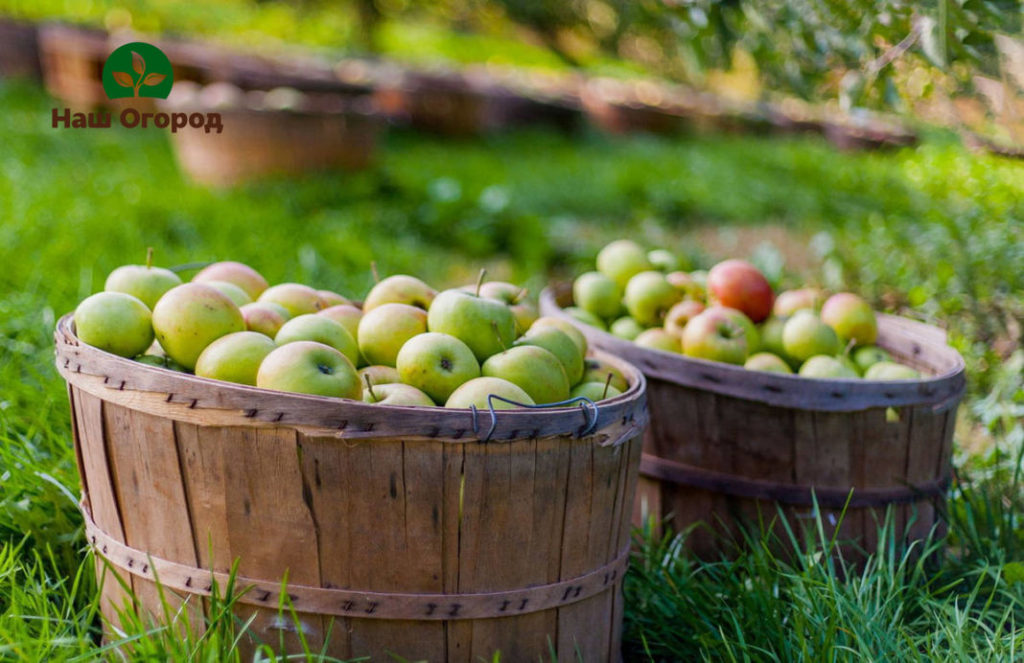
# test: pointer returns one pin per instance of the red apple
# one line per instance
(739, 285)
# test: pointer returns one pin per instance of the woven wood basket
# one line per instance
(431, 534)
(727, 446)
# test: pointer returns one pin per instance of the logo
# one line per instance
(137, 70)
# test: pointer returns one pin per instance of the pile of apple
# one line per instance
(406, 345)
(731, 314)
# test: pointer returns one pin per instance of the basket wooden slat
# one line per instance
(185, 476)
(728, 446)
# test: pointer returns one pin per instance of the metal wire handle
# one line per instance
(589, 421)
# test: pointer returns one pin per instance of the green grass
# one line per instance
(934, 232)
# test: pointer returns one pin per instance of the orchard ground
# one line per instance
(935, 232)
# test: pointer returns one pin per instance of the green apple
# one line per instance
(264, 318)
(558, 343)
(115, 322)
(145, 282)
(648, 297)
(525, 313)
(537, 371)
(487, 326)
(680, 314)
(524, 309)
(867, 356)
(436, 364)
(331, 298)
(566, 328)
(851, 317)
(791, 301)
(379, 375)
(664, 260)
(384, 330)
(296, 298)
(621, 260)
(770, 336)
(242, 275)
(477, 393)
(805, 335)
(740, 318)
(235, 357)
(890, 370)
(312, 327)
(626, 327)
(598, 294)
(345, 314)
(595, 391)
(687, 286)
(597, 370)
(308, 367)
(659, 339)
(825, 366)
(716, 336)
(234, 293)
(400, 289)
(190, 317)
(396, 394)
(586, 317)
(766, 361)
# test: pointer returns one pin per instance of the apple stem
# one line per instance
(149, 258)
(521, 296)
(497, 335)
(607, 383)
(373, 269)
(849, 346)
(480, 280)
(369, 385)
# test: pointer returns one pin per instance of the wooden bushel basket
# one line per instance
(727, 446)
(431, 534)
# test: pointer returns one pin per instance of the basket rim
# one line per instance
(186, 397)
(943, 390)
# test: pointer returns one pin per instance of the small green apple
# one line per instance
(264, 318)
(868, 355)
(308, 367)
(851, 317)
(664, 260)
(477, 393)
(312, 327)
(595, 391)
(296, 298)
(890, 370)
(598, 294)
(659, 339)
(537, 371)
(648, 297)
(115, 322)
(379, 375)
(597, 370)
(558, 343)
(766, 361)
(626, 327)
(566, 328)
(825, 366)
(750, 329)
(400, 289)
(716, 336)
(145, 282)
(190, 317)
(524, 309)
(621, 260)
(396, 394)
(235, 357)
(770, 336)
(680, 314)
(384, 330)
(805, 335)
(242, 275)
(487, 326)
(436, 364)
(234, 293)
